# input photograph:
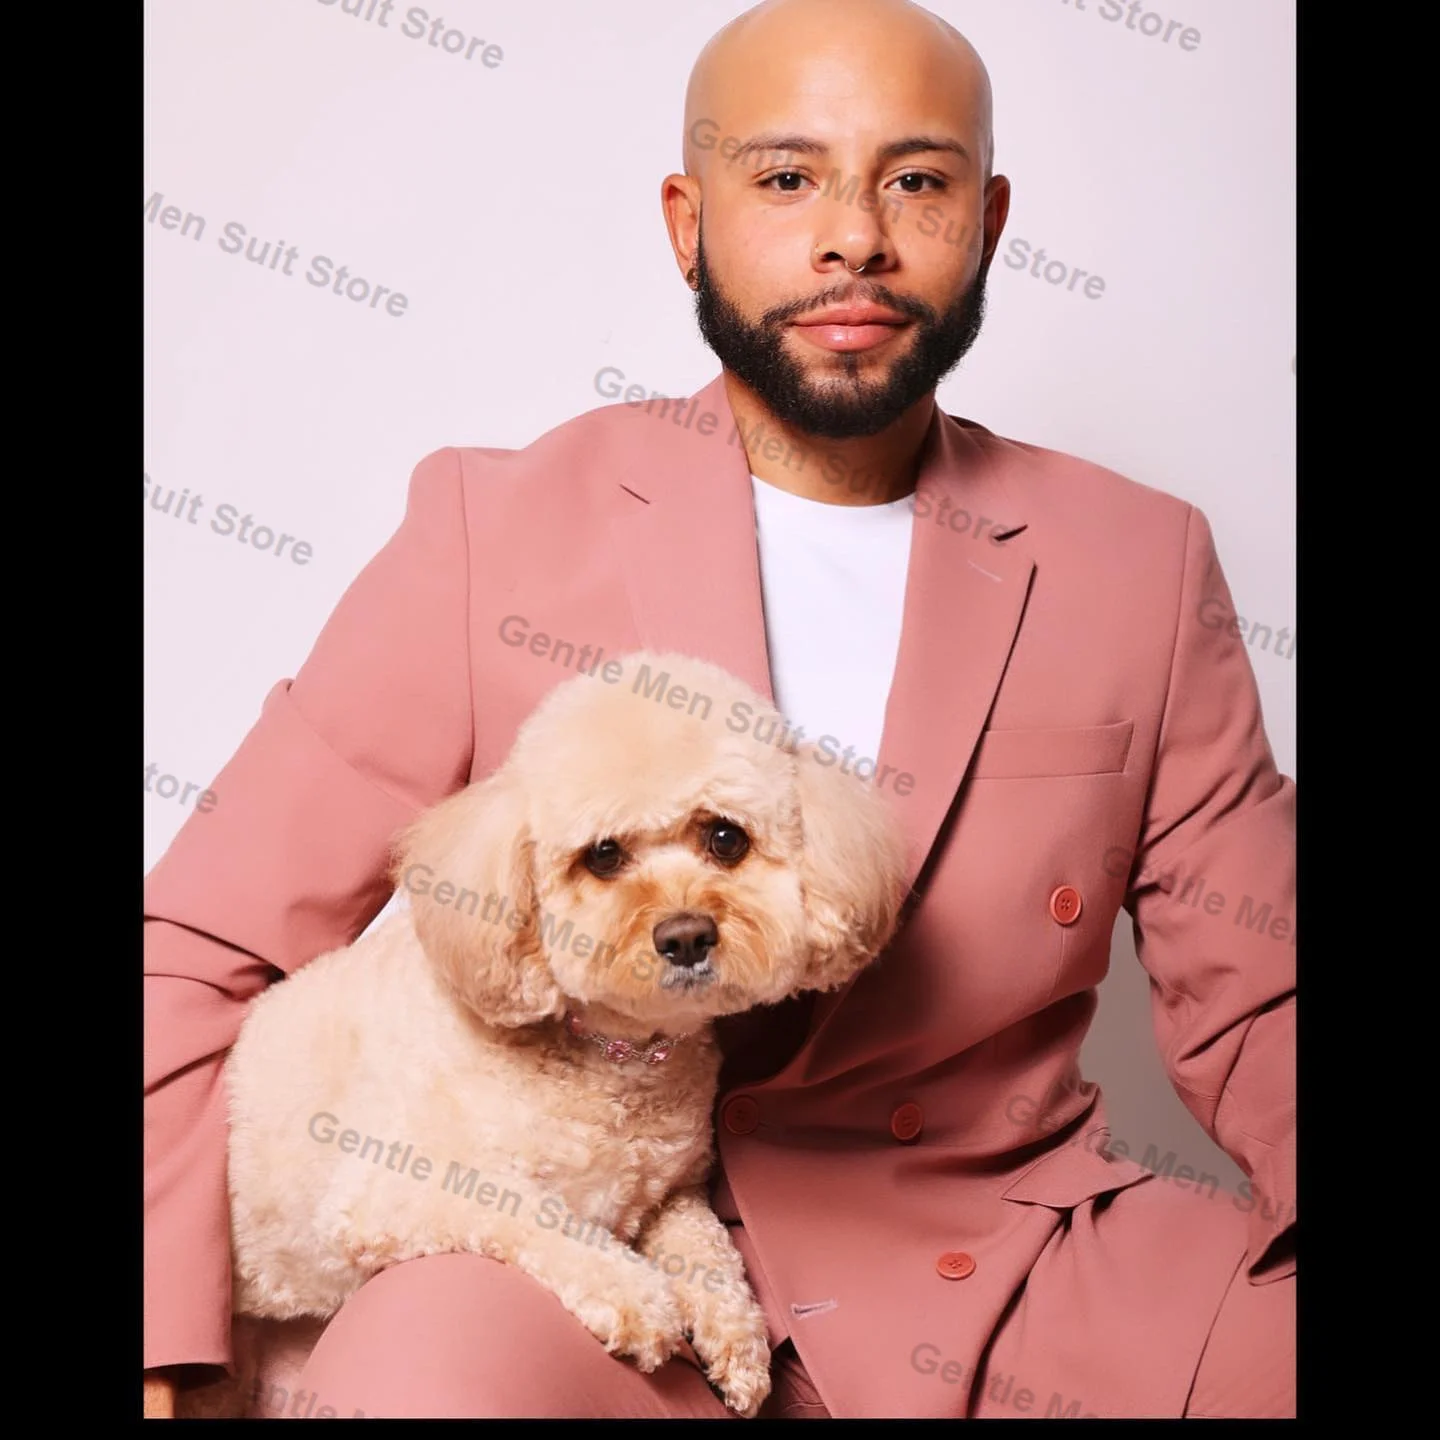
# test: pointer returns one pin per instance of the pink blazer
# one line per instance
(1079, 734)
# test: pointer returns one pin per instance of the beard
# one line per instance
(843, 404)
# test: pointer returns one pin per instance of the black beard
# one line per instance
(844, 406)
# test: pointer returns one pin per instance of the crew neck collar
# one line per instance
(766, 493)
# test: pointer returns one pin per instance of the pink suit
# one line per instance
(922, 1191)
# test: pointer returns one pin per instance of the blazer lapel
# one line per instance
(684, 532)
(964, 598)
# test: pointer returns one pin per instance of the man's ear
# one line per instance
(852, 870)
(467, 865)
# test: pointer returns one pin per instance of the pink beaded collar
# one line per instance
(655, 1053)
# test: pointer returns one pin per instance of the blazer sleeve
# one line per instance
(1212, 895)
(290, 860)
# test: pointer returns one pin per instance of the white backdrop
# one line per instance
(504, 181)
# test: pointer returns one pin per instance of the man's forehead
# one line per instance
(861, 81)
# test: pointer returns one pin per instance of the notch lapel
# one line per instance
(964, 598)
(684, 532)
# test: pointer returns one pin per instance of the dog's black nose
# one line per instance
(686, 939)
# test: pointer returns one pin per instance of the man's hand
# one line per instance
(159, 1396)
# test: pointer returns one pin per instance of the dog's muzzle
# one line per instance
(685, 942)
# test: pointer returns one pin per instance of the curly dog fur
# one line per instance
(421, 1090)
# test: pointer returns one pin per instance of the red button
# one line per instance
(741, 1115)
(1065, 905)
(907, 1121)
(955, 1265)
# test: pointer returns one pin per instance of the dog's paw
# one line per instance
(736, 1355)
(635, 1314)
(372, 1253)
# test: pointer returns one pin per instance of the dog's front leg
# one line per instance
(726, 1323)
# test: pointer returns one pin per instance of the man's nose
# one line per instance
(686, 939)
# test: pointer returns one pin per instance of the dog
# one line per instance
(523, 1065)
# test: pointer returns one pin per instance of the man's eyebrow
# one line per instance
(804, 145)
(919, 144)
(780, 144)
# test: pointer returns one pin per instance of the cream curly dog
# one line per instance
(522, 1066)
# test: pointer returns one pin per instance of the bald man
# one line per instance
(918, 1178)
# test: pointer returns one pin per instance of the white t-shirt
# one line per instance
(833, 582)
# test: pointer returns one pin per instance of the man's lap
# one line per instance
(1248, 1366)
(1141, 1305)
(458, 1335)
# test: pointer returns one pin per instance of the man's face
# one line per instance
(847, 391)
(832, 153)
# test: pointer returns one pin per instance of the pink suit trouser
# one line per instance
(459, 1336)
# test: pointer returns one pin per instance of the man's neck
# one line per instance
(869, 470)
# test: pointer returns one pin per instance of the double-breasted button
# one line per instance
(1065, 905)
(907, 1121)
(741, 1115)
(955, 1265)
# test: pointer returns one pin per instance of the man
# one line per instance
(914, 1169)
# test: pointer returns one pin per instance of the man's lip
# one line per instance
(854, 315)
(849, 339)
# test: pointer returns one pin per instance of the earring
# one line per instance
(691, 278)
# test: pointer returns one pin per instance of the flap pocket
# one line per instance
(1076, 1172)
(1027, 754)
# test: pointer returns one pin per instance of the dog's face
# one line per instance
(655, 846)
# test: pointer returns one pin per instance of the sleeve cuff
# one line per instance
(187, 1240)
(1269, 1197)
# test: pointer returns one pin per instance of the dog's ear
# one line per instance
(852, 870)
(467, 865)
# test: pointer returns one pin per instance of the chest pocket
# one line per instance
(1035, 754)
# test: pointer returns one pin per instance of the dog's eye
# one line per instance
(604, 857)
(728, 842)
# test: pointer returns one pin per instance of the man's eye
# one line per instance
(605, 857)
(728, 843)
(921, 179)
(785, 176)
